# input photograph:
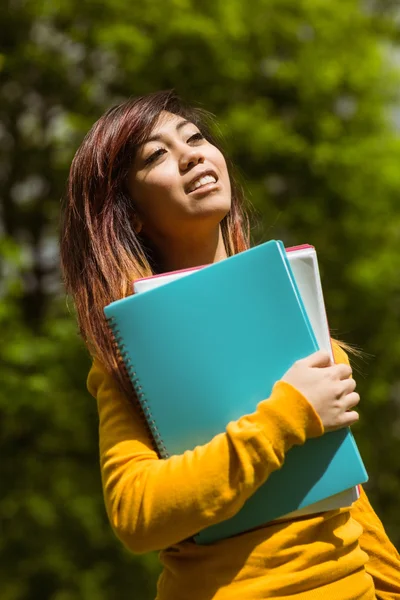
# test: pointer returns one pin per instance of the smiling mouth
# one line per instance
(203, 182)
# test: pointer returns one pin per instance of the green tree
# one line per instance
(304, 91)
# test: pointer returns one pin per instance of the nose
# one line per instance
(189, 158)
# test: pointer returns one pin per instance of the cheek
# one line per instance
(157, 199)
(223, 170)
(154, 189)
(219, 161)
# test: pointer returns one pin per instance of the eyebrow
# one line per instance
(157, 138)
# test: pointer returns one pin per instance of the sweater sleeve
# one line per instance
(384, 560)
(154, 503)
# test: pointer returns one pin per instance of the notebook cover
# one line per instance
(304, 266)
(208, 350)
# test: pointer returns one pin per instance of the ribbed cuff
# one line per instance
(287, 417)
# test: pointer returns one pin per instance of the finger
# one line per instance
(351, 400)
(322, 358)
(345, 420)
(345, 387)
(350, 385)
(342, 371)
(349, 418)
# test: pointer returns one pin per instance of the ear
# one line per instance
(137, 224)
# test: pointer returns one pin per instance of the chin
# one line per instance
(214, 204)
(213, 216)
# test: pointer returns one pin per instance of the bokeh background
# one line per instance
(306, 93)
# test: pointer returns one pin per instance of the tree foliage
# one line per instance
(305, 95)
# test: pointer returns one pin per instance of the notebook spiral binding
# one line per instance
(128, 368)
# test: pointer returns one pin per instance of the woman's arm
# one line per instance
(384, 560)
(153, 503)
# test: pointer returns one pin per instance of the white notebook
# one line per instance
(304, 264)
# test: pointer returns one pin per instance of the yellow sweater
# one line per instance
(154, 504)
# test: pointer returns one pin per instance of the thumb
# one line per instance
(322, 358)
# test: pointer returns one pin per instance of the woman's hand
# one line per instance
(328, 387)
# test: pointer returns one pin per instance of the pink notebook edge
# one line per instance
(189, 269)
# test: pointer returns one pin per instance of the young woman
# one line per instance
(150, 191)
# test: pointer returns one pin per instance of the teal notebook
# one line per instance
(203, 350)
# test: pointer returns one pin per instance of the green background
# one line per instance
(306, 96)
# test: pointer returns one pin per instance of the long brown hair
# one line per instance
(101, 254)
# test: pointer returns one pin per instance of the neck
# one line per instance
(188, 253)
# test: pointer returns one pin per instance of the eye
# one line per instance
(150, 159)
(196, 137)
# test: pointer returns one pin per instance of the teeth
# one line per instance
(202, 181)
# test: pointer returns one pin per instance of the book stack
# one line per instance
(202, 347)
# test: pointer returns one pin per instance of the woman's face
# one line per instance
(179, 181)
